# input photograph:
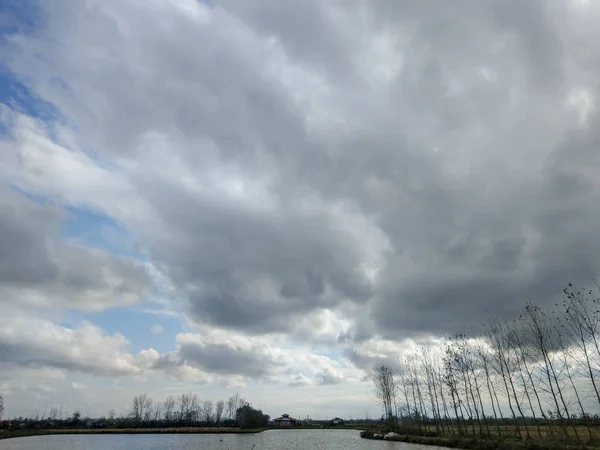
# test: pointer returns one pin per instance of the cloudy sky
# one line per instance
(268, 197)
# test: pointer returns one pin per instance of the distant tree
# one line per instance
(157, 412)
(231, 406)
(1, 406)
(112, 414)
(193, 414)
(207, 415)
(141, 407)
(169, 408)
(219, 411)
(57, 412)
(184, 406)
(248, 417)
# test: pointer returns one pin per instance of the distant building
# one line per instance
(336, 421)
(285, 421)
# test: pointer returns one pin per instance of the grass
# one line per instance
(485, 443)
(578, 433)
(5, 434)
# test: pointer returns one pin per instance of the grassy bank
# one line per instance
(478, 443)
(5, 434)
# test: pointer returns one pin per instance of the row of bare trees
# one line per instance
(185, 409)
(533, 377)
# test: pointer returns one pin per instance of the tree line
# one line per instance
(535, 377)
(189, 410)
(184, 410)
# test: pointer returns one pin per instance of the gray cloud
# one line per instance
(211, 356)
(367, 362)
(24, 255)
(38, 267)
(327, 378)
(22, 355)
(220, 359)
(253, 269)
(433, 144)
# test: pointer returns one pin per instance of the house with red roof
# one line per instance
(285, 421)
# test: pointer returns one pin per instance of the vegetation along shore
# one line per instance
(530, 383)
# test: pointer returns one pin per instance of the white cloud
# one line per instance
(85, 348)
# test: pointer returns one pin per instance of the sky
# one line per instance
(271, 197)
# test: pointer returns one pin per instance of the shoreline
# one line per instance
(5, 434)
(474, 443)
(172, 430)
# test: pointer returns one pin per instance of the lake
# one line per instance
(268, 440)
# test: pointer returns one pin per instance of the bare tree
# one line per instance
(404, 392)
(581, 325)
(503, 367)
(231, 406)
(452, 385)
(431, 379)
(157, 412)
(564, 358)
(1, 406)
(184, 406)
(517, 345)
(241, 402)
(54, 413)
(207, 411)
(220, 406)
(544, 341)
(141, 407)
(169, 408)
(384, 384)
(484, 356)
(193, 414)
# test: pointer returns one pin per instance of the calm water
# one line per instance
(269, 440)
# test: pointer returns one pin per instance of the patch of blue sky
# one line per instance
(18, 91)
(334, 355)
(133, 323)
(24, 17)
(91, 228)
(15, 94)
(98, 230)
(20, 16)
